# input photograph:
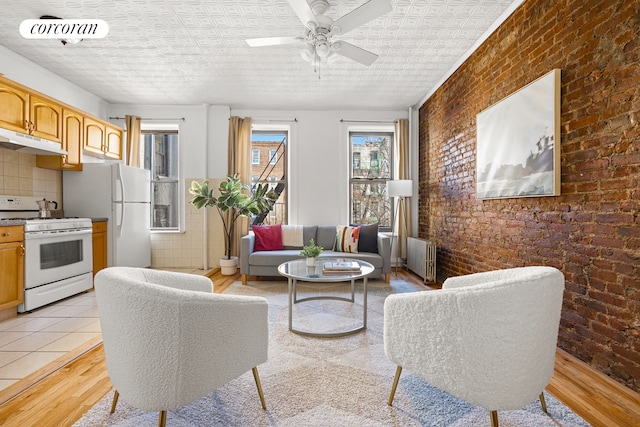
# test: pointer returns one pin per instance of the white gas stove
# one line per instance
(58, 252)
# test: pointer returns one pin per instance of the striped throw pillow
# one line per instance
(346, 239)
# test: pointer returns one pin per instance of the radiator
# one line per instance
(421, 258)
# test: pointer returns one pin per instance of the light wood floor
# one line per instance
(59, 394)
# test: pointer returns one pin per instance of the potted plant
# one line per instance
(311, 252)
(232, 202)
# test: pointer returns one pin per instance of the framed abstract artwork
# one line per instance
(518, 143)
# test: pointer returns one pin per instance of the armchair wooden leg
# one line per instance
(162, 419)
(395, 384)
(494, 418)
(259, 385)
(244, 279)
(115, 401)
(543, 403)
(387, 278)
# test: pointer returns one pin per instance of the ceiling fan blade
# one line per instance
(354, 53)
(304, 12)
(274, 41)
(361, 15)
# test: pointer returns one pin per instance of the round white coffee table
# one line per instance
(298, 270)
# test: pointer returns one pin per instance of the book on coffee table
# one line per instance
(340, 267)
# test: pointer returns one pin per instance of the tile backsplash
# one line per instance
(19, 176)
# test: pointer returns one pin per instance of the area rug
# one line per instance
(341, 381)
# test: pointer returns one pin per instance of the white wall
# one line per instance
(30, 74)
(318, 159)
(318, 150)
(203, 134)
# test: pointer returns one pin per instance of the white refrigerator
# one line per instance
(120, 193)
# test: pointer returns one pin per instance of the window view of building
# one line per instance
(269, 166)
(371, 168)
(162, 159)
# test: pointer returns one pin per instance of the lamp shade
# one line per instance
(400, 188)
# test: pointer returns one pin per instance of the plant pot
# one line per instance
(228, 267)
(311, 262)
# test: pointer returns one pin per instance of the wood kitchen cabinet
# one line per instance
(28, 112)
(45, 118)
(102, 139)
(11, 266)
(99, 246)
(14, 107)
(113, 142)
(72, 142)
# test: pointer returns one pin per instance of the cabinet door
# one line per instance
(73, 137)
(113, 142)
(45, 119)
(14, 108)
(11, 271)
(94, 136)
(72, 141)
(99, 246)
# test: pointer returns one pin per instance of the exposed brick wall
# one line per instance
(592, 231)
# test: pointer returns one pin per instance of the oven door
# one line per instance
(52, 256)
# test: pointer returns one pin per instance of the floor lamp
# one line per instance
(399, 188)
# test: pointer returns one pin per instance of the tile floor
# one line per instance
(32, 340)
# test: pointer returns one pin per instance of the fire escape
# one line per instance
(268, 169)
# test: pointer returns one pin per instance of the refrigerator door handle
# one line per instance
(119, 218)
(121, 182)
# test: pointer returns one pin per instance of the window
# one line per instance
(356, 160)
(270, 169)
(371, 168)
(373, 160)
(161, 157)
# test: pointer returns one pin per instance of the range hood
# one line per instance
(29, 144)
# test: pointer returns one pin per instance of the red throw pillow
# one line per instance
(268, 237)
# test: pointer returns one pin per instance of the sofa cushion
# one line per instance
(268, 237)
(269, 258)
(326, 236)
(368, 241)
(308, 233)
(347, 239)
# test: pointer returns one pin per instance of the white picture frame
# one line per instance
(518, 143)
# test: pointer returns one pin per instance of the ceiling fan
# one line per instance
(316, 45)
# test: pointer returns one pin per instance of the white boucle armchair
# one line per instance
(487, 338)
(169, 340)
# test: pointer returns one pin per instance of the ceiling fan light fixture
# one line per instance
(307, 52)
(316, 44)
(323, 49)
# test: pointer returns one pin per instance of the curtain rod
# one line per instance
(367, 121)
(148, 118)
(253, 119)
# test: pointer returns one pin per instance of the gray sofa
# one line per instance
(265, 263)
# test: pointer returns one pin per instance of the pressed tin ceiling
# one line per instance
(194, 52)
